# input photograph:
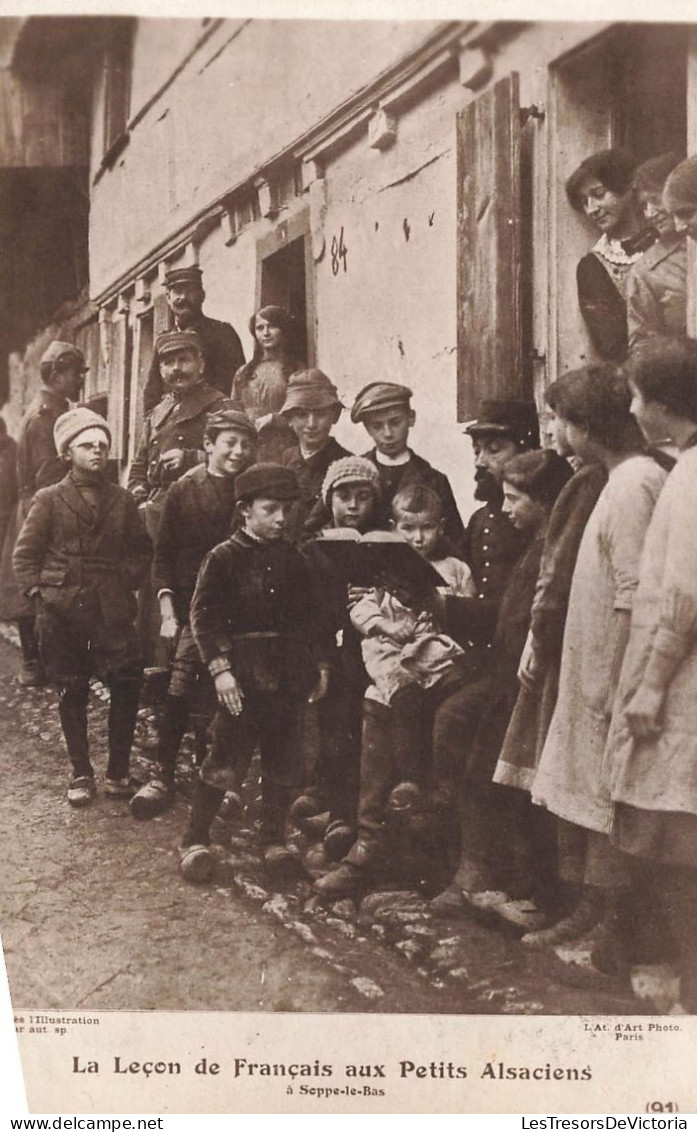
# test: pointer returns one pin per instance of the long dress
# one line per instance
(572, 779)
(655, 780)
(259, 389)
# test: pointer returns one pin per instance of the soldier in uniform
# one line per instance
(220, 344)
(172, 439)
(62, 369)
(170, 444)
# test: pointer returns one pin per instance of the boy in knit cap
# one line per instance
(413, 668)
(351, 493)
(255, 622)
(312, 407)
(80, 555)
(197, 515)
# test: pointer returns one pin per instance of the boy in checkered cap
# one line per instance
(80, 555)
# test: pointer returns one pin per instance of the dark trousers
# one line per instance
(396, 745)
(28, 640)
(270, 720)
(123, 709)
(337, 772)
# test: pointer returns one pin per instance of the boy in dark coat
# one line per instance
(256, 627)
(197, 515)
(80, 555)
(312, 408)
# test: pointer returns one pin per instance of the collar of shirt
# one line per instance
(307, 456)
(393, 461)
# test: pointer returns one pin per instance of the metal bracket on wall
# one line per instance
(534, 111)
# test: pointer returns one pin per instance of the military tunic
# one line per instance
(174, 423)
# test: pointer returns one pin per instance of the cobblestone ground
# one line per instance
(95, 914)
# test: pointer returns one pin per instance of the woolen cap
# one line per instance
(350, 469)
(183, 275)
(379, 395)
(310, 389)
(514, 419)
(69, 425)
(58, 351)
(680, 191)
(272, 481)
(230, 418)
(177, 340)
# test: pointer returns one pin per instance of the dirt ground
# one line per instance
(94, 914)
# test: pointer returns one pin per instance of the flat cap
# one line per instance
(514, 419)
(272, 481)
(224, 418)
(183, 275)
(63, 351)
(379, 395)
(69, 426)
(177, 340)
(310, 389)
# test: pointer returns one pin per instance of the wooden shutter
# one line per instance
(488, 254)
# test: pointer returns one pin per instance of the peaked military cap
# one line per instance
(515, 419)
(58, 351)
(183, 275)
(177, 340)
(379, 395)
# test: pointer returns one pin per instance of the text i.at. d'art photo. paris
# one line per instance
(349, 412)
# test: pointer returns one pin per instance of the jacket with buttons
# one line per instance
(492, 549)
(172, 424)
(255, 606)
(75, 556)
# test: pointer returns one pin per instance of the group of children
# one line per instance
(320, 612)
(260, 622)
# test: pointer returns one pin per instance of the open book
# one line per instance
(375, 558)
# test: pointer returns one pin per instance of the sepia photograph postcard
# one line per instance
(348, 583)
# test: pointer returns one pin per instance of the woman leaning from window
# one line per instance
(601, 188)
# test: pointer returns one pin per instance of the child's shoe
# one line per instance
(406, 797)
(281, 863)
(338, 840)
(196, 863)
(346, 880)
(121, 787)
(306, 806)
(152, 799)
(81, 791)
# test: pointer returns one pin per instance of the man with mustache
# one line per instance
(220, 344)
